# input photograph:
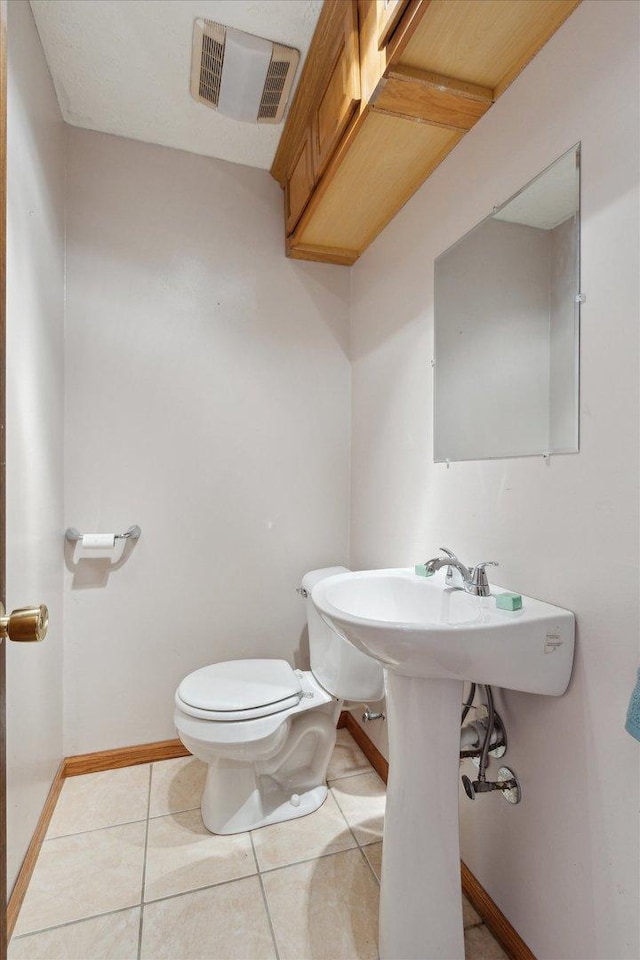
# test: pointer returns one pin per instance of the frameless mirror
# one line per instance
(507, 326)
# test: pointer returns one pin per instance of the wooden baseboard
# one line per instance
(508, 938)
(123, 757)
(29, 862)
(368, 747)
(495, 920)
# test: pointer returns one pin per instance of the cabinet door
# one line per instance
(300, 181)
(389, 14)
(341, 95)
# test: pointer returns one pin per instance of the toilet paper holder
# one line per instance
(133, 533)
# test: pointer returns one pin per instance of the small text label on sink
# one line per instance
(552, 642)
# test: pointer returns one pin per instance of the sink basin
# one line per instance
(418, 627)
(431, 638)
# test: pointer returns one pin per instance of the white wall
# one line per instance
(563, 865)
(35, 316)
(207, 399)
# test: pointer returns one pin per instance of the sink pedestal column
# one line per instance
(420, 901)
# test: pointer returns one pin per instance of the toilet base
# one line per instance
(266, 770)
(251, 815)
(242, 795)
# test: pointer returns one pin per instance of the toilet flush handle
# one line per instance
(26, 625)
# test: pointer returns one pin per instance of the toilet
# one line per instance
(267, 731)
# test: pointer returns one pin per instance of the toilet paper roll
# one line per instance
(98, 541)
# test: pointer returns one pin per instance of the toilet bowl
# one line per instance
(267, 731)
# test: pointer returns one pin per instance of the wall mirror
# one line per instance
(507, 315)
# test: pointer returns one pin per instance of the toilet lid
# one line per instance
(238, 685)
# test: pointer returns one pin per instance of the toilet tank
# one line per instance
(342, 669)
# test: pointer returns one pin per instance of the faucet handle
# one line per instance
(479, 579)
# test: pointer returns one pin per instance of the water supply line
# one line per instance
(484, 755)
(474, 734)
(494, 741)
(469, 702)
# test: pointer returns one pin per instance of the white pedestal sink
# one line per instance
(430, 639)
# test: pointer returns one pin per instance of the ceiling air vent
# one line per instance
(243, 76)
(210, 70)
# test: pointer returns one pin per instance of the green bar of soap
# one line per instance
(421, 570)
(508, 601)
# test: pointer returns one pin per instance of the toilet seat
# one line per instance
(239, 690)
(204, 729)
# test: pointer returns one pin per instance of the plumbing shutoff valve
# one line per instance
(372, 715)
(507, 783)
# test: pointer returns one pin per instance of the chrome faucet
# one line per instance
(460, 577)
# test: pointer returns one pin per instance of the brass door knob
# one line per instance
(24, 625)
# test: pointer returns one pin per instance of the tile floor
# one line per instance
(128, 871)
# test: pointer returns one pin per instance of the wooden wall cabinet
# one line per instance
(388, 88)
(300, 181)
(389, 13)
(332, 107)
(341, 95)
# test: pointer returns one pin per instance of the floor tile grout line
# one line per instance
(264, 898)
(344, 817)
(209, 886)
(359, 846)
(71, 923)
(351, 776)
(123, 823)
(370, 865)
(369, 843)
(353, 833)
(355, 773)
(144, 864)
(253, 850)
(172, 813)
(320, 856)
(81, 833)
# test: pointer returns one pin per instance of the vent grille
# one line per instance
(273, 87)
(208, 62)
(211, 69)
